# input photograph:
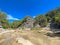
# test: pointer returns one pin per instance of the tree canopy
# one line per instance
(41, 20)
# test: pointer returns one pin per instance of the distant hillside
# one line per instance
(41, 20)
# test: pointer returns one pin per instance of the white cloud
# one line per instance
(34, 16)
(10, 17)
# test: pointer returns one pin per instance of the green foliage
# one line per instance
(57, 19)
(2, 17)
(50, 14)
(48, 18)
(24, 19)
(3, 20)
(16, 24)
(41, 20)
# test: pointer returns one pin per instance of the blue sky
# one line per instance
(18, 9)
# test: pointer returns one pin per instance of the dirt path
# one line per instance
(26, 38)
(10, 38)
(23, 41)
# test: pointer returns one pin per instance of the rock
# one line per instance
(23, 41)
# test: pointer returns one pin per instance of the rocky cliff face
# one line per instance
(1, 29)
(28, 23)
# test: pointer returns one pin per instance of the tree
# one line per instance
(56, 20)
(2, 17)
(50, 14)
(3, 20)
(41, 20)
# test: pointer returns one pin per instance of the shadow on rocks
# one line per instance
(53, 34)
